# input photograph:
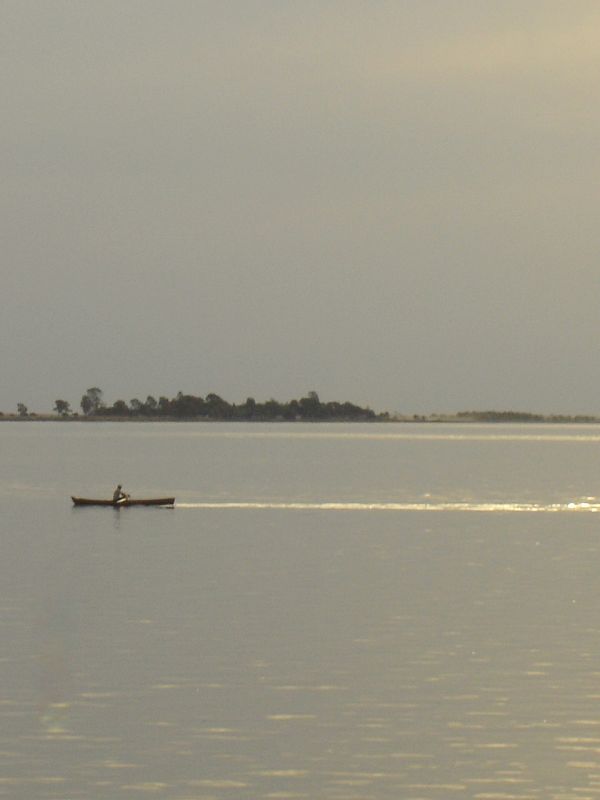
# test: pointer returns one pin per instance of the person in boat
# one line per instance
(119, 494)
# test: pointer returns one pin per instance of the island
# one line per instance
(309, 408)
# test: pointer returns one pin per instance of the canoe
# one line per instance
(149, 501)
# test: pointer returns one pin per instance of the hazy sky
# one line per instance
(395, 203)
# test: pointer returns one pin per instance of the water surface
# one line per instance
(330, 611)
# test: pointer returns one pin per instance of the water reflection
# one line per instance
(439, 506)
(266, 653)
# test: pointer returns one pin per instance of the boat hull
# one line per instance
(150, 501)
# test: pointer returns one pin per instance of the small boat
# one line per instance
(129, 501)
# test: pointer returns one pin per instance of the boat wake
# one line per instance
(429, 506)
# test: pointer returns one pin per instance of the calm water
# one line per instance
(330, 612)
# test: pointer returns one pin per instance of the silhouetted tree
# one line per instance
(310, 406)
(150, 406)
(217, 407)
(119, 409)
(91, 402)
(164, 405)
(62, 408)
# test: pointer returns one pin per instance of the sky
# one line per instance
(392, 203)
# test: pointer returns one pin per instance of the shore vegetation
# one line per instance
(309, 408)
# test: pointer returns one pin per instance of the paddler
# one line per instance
(119, 494)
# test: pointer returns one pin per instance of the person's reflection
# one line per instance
(54, 685)
(57, 630)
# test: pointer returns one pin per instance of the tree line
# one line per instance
(308, 408)
(214, 407)
(521, 416)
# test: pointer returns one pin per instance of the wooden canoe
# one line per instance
(149, 501)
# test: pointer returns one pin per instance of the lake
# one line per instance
(332, 612)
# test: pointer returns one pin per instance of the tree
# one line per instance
(22, 410)
(250, 407)
(273, 409)
(163, 405)
(151, 406)
(119, 409)
(62, 408)
(310, 407)
(91, 402)
(217, 407)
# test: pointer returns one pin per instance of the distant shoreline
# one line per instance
(461, 418)
(309, 408)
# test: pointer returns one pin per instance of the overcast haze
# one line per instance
(394, 203)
